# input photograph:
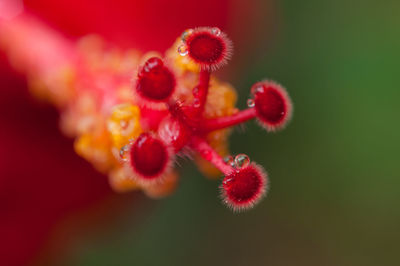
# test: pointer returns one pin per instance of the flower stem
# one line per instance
(228, 121)
(209, 154)
(201, 96)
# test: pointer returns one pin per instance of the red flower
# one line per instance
(29, 138)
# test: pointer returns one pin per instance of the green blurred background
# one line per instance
(334, 197)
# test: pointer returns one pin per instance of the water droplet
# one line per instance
(183, 50)
(227, 182)
(250, 103)
(216, 31)
(256, 88)
(124, 152)
(242, 160)
(186, 34)
(229, 160)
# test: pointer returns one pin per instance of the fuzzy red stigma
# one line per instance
(208, 47)
(272, 104)
(149, 158)
(155, 83)
(244, 187)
